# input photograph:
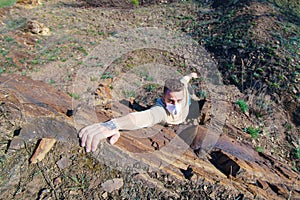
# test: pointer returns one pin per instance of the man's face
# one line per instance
(173, 97)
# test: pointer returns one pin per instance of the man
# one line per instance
(171, 108)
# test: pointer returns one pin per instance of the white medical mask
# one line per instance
(173, 109)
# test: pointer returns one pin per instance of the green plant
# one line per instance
(35, 61)
(151, 87)
(75, 96)
(3, 52)
(128, 67)
(51, 81)
(296, 153)
(135, 2)
(9, 39)
(243, 105)
(146, 76)
(6, 3)
(288, 126)
(80, 182)
(82, 50)
(106, 75)
(254, 132)
(202, 94)
(128, 94)
(295, 168)
(68, 78)
(259, 149)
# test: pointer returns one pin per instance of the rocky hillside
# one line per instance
(66, 64)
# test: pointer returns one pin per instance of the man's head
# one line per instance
(173, 92)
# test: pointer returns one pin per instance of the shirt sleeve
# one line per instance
(142, 119)
(185, 80)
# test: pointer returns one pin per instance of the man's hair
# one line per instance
(173, 85)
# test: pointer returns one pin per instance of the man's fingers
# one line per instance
(89, 140)
(85, 132)
(114, 138)
(93, 134)
(83, 139)
(96, 139)
(81, 132)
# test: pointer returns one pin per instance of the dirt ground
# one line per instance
(61, 46)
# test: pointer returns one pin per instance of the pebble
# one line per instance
(104, 195)
(63, 163)
(113, 184)
(57, 181)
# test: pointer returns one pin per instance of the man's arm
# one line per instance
(186, 79)
(93, 134)
(142, 119)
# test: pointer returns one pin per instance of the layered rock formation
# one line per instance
(186, 152)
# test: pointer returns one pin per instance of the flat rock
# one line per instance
(113, 184)
(33, 98)
(45, 127)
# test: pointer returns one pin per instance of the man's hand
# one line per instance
(93, 134)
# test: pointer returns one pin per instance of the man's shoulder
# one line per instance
(159, 107)
(159, 102)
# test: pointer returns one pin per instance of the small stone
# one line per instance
(212, 195)
(104, 195)
(43, 193)
(57, 181)
(113, 184)
(16, 143)
(63, 163)
(43, 148)
(73, 192)
(294, 91)
(96, 196)
(186, 56)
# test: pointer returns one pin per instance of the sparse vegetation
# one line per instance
(75, 96)
(128, 94)
(107, 75)
(259, 149)
(7, 3)
(202, 94)
(243, 105)
(246, 58)
(254, 132)
(80, 183)
(145, 75)
(135, 2)
(296, 153)
(51, 81)
(151, 87)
